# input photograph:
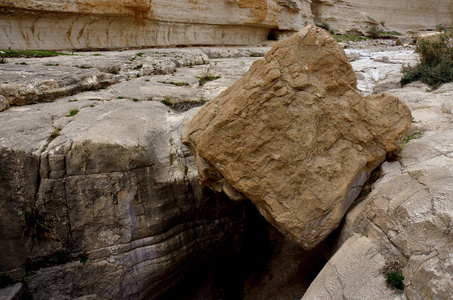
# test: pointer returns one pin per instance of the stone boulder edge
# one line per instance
(296, 137)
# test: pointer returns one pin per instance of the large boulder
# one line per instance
(296, 137)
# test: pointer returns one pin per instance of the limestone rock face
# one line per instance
(342, 17)
(296, 137)
(102, 24)
(406, 219)
(404, 15)
(119, 213)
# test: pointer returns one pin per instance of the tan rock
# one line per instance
(342, 17)
(404, 15)
(100, 24)
(296, 137)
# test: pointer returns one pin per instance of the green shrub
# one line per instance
(203, 79)
(436, 61)
(395, 280)
(72, 112)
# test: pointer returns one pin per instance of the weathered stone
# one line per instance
(404, 40)
(407, 216)
(295, 136)
(83, 24)
(13, 292)
(117, 195)
(342, 17)
(3, 103)
(354, 272)
(405, 15)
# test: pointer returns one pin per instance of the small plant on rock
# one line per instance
(393, 274)
(395, 280)
(72, 112)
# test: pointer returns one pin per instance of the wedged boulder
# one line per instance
(296, 137)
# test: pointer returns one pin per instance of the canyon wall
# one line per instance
(407, 15)
(100, 24)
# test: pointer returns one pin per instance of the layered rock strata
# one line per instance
(88, 24)
(102, 201)
(296, 137)
(406, 16)
(341, 17)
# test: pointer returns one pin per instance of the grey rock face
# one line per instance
(13, 292)
(119, 211)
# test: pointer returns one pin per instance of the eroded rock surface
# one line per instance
(296, 137)
(406, 219)
(104, 201)
(99, 24)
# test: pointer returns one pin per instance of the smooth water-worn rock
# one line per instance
(406, 219)
(100, 198)
(296, 137)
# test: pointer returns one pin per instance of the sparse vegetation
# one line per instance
(138, 67)
(96, 54)
(29, 53)
(137, 75)
(22, 63)
(113, 70)
(186, 170)
(349, 38)
(52, 65)
(53, 135)
(174, 83)
(72, 100)
(172, 158)
(203, 79)
(414, 136)
(83, 67)
(139, 54)
(395, 280)
(325, 26)
(393, 274)
(167, 102)
(436, 61)
(134, 99)
(72, 112)
(394, 33)
(3, 60)
(120, 97)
